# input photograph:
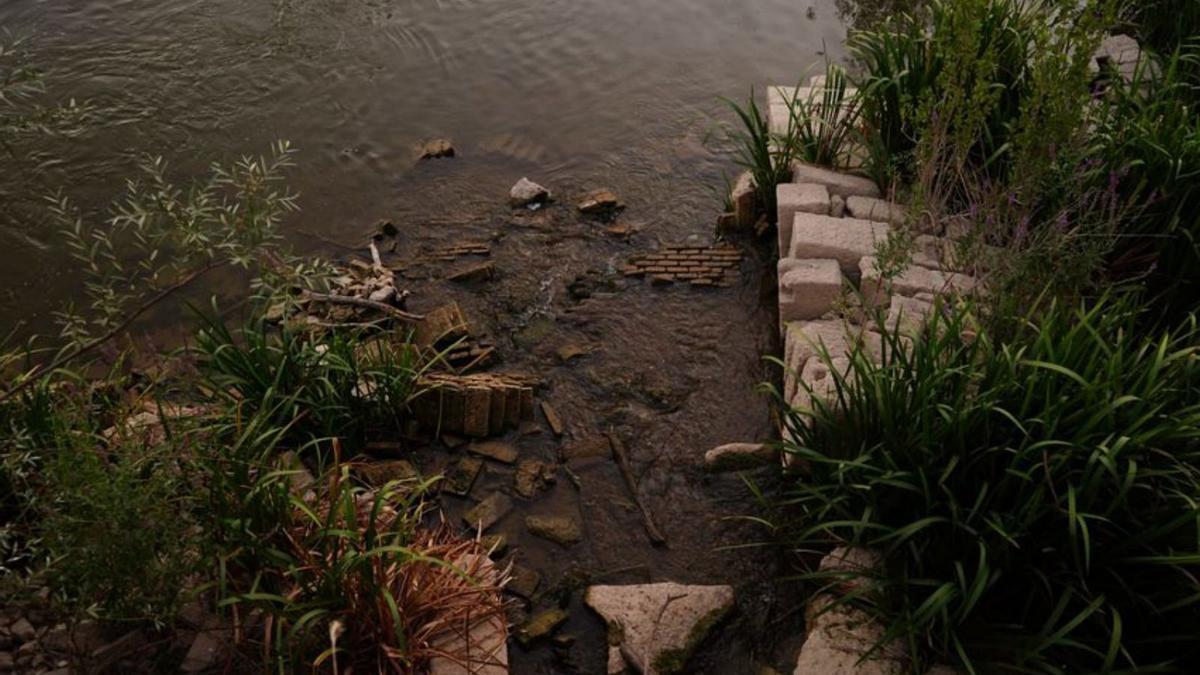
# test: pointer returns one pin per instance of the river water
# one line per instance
(575, 94)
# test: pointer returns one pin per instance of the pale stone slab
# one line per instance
(908, 315)
(879, 210)
(483, 648)
(808, 289)
(793, 198)
(914, 279)
(839, 637)
(738, 456)
(804, 340)
(847, 240)
(659, 625)
(841, 184)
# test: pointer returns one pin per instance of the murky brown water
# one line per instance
(575, 94)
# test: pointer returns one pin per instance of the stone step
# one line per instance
(793, 198)
(847, 240)
(808, 289)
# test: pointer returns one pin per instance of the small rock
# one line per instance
(738, 456)
(489, 511)
(561, 530)
(436, 149)
(541, 625)
(498, 450)
(531, 477)
(621, 230)
(23, 630)
(206, 651)
(523, 581)
(378, 474)
(600, 202)
(526, 193)
(480, 272)
(462, 476)
(572, 351)
(552, 419)
(593, 446)
(726, 222)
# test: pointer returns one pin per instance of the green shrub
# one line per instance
(1033, 487)
(823, 126)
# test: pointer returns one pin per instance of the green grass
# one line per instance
(1033, 486)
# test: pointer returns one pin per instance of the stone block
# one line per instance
(841, 184)
(807, 288)
(793, 198)
(929, 251)
(745, 201)
(879, 210)
(908, 315)
(808, 340)
(847, 240)
(877, 292)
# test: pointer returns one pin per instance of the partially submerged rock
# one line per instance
(528, 193)
(489, 511)
(600, 202)
(562, 530)
(436, 148)
(541, 626)
(500, 451)
(658, 626)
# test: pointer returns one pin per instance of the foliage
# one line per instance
(823, 125)
(1032, 487)
(95, 490)
(955, 83)
(20, 114)
(1148, 140)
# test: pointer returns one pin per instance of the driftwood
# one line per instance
(618, 450)
(363, 302)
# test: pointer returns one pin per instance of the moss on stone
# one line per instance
(672, 661)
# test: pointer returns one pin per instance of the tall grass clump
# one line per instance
(1032, 485)
(767, 156)
(1148, 142)
(316, 385)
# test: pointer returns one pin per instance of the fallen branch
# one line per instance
(618, 450)
(363, 302)
(38, 372)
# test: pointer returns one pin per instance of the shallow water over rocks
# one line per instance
(578, 95)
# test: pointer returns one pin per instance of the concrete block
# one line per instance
(912, 281)
(877, 293)
(929, 251)
(744, 196)
(846, 240)
(841, 184)
(908, 315)
(793, 198)
(808, 289)
(879, 210)
(805, 341)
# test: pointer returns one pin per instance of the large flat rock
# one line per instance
(658, 626)
(841, 184)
